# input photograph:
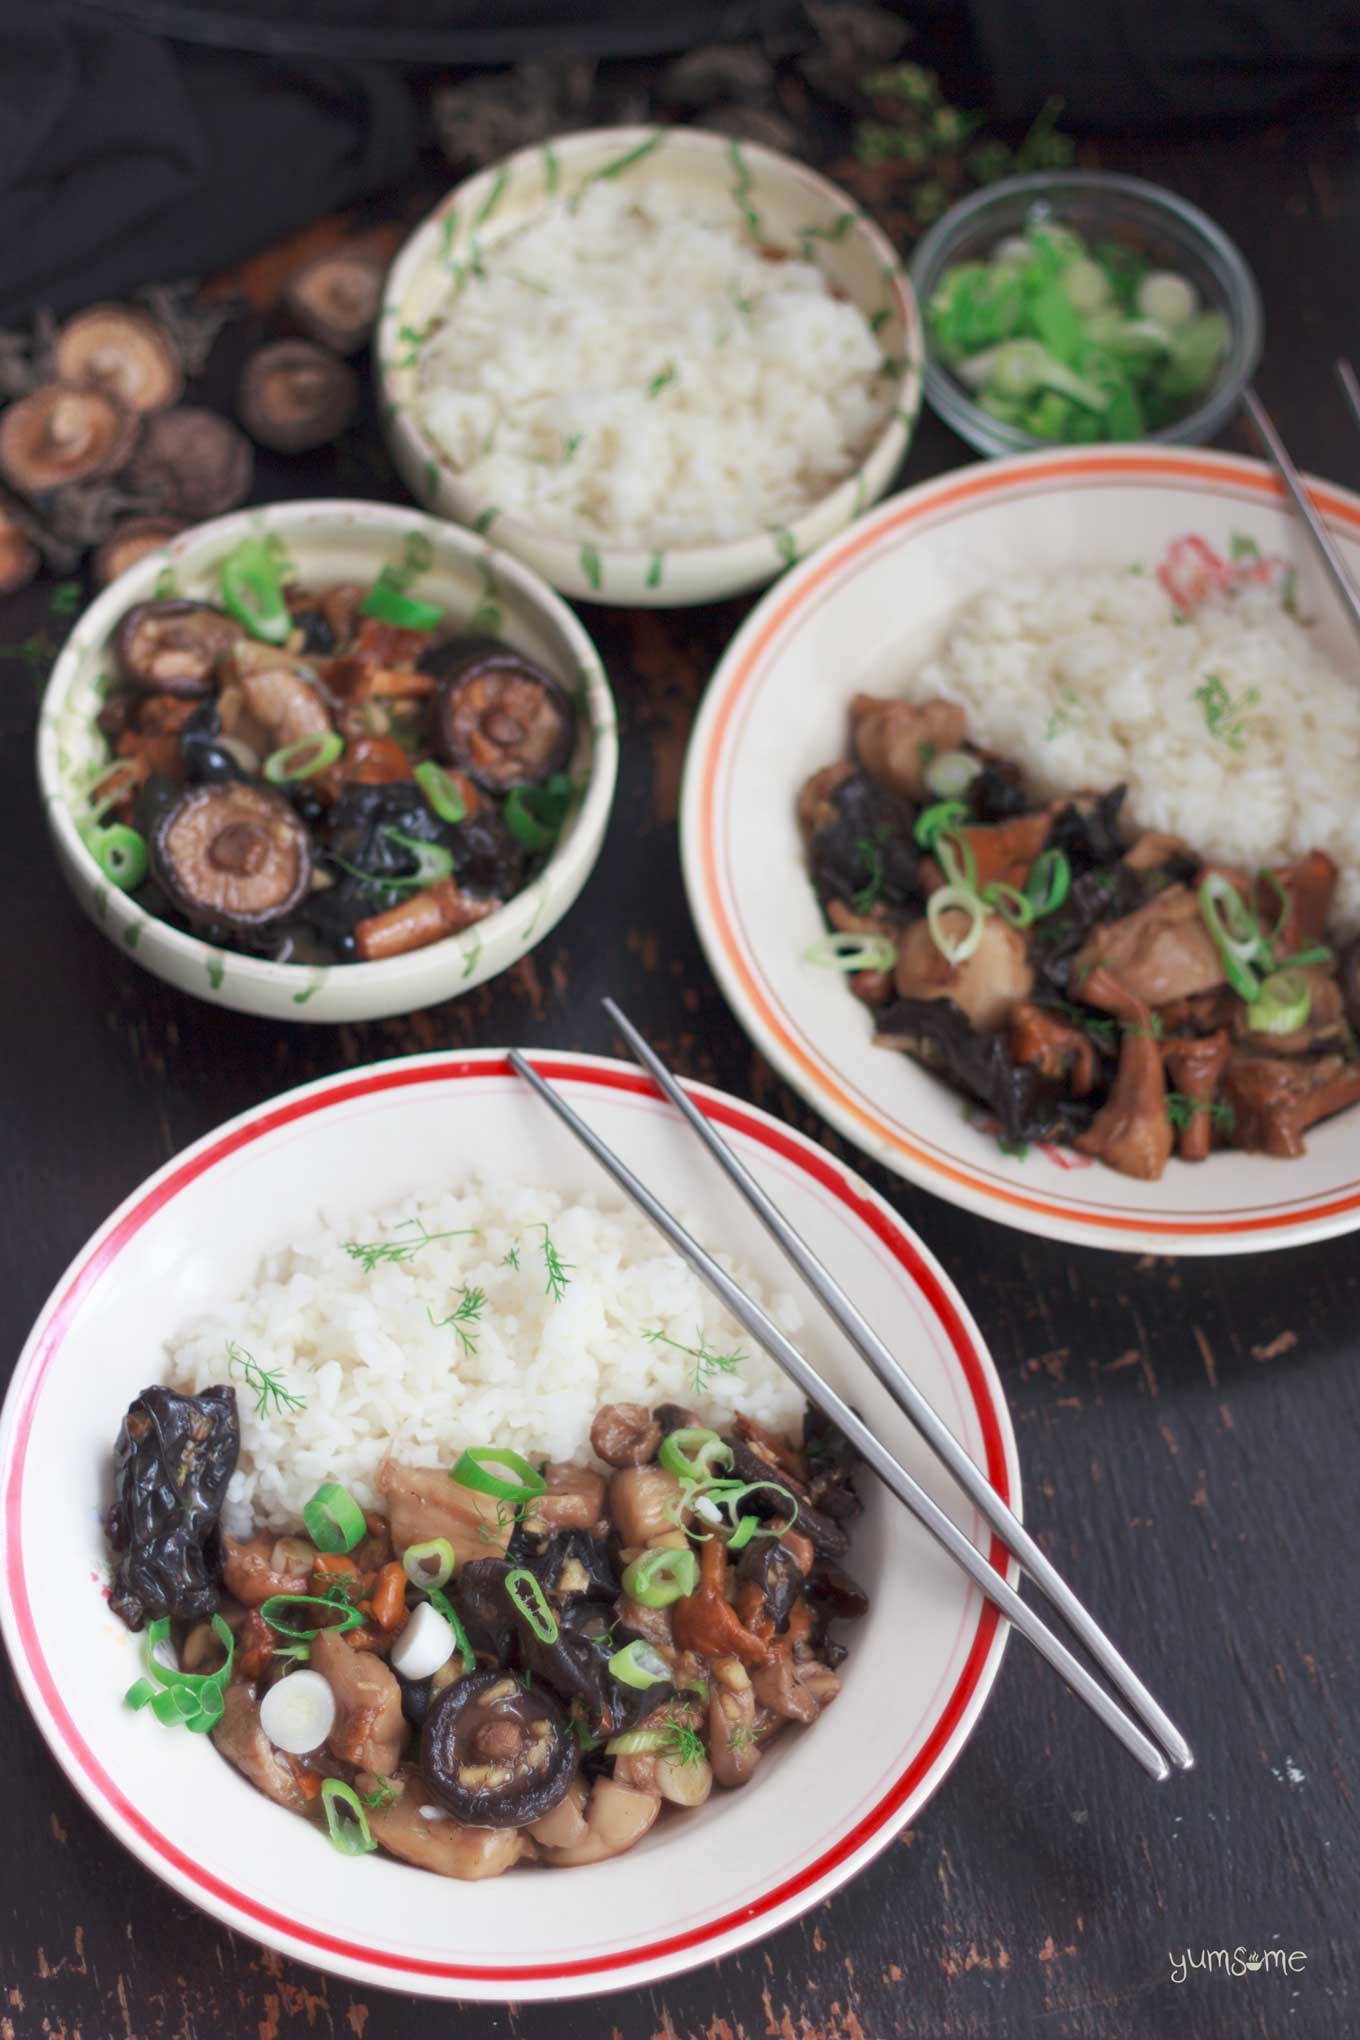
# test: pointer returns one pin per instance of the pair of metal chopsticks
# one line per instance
(1327, 550)
(1156, 1756)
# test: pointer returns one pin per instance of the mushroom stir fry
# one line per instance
(324, 774)
(510, 1663)
(1086, 984)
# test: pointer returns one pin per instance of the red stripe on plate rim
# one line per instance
(100, 1788)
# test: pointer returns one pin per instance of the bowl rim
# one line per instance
(950, 399)
(955, 1716)
(570, 863)
(725, 558)
(1323, 1214)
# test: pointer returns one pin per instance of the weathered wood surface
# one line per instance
(1187, 1431)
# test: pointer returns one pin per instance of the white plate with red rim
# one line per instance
(863, 614)
(700, 1885)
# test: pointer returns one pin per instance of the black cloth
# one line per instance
(1134, 64)
(125, 159)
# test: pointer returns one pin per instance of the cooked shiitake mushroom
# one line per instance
(232, 856)
(499, 716)
(130, 542)
(123, 352)
(62, 433)
(173, 647)
(295, 396)
(335, 298)
(194, 463)
(496, 1755)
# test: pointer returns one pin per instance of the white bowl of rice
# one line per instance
(245, 1237)
(659, 364)
(1146, 616)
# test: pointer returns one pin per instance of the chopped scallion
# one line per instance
(346, 1819)
(473, 1470)
(443, 793)
(658, 1578)
(333, 1519)
(528, 1596)
(303, 759)
(430, 1564)
(638, 1665)
(851, 953)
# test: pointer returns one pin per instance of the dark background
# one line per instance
(1187, 1429)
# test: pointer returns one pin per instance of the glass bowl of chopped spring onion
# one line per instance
(1075, 307)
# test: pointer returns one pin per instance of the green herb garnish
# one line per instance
(471, 1304)
(371, 1253)
(264, 1383)
(558, 1271)
(1181, 1109)
(707, 1363)
(870, 849)
(1222, 716)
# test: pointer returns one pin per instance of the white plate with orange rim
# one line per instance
(702, 1884)
(872, 605)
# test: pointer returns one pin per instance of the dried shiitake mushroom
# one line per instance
(295, 396)
(335, 298)
(129, 542)
(124, 352)
(62, 433)
(193, 463)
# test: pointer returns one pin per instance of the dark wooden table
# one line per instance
(1187, 1429)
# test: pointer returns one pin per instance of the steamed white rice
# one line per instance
(634, 372)
(1087, 679)
(376, 1376)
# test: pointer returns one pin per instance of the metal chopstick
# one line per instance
(893, 1475)
(910, 1400)
(1350, 383)
(1317, 530)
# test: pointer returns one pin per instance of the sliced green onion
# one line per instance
(708, 1450)
(534, 814)
(1236, 933)
(120, 853)
(660, 1577)
(441, 1602)
(932, 820)
(333, 1519)
(951, 773)
(440, 791)
(954, 855)
(472, 1472)
(191, 1700)
(638, 1665)
(1012, 905)
(252, 591)
(1282, 1005)
(638, 1742)
(1267, 877)
(304, 758)
(346, 1820)
(528, 1596)
(433, 861)
(386, 601)
(1317, 953)
(352, 1619)
(429, 1565)
(955, 949)
(851, 953)
(1049, 882)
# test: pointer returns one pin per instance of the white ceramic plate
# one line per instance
(862, 615)
(921, 1664)
(780, 200)
(330, 541)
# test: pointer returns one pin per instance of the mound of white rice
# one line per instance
(634, 371)
(1088, 679)
(374, 1375)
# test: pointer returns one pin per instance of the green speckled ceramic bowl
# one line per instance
(783, 203)
(333, 541)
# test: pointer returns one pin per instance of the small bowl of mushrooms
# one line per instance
(327, 761)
